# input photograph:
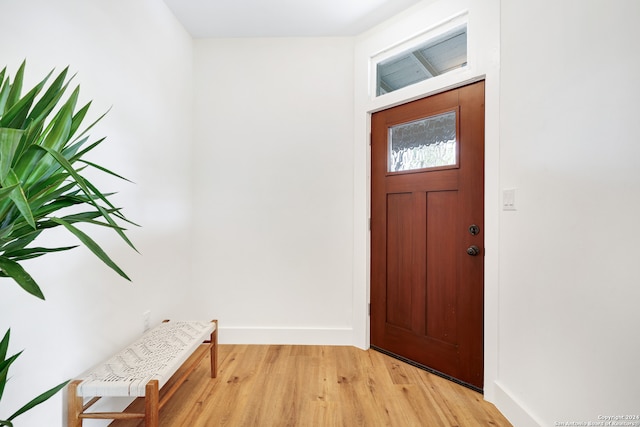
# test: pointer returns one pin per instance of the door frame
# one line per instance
(491, 214)
(483, 62)
(470, 99)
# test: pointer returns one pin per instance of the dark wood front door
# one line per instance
(427, 228)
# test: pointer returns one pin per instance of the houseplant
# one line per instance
(43, 145)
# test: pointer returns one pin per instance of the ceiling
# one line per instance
(283, 18)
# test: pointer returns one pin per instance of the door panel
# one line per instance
(399, 258)
(426, 291)
(441, 300)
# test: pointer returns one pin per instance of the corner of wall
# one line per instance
(512, 408)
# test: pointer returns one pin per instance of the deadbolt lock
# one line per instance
(474, 229)
(473, 250)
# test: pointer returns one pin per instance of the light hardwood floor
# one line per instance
(320, 386)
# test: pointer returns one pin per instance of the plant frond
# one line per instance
(22, 278)
(9, 140)
(16, 112)
(60, 202)
(5, 364)
(19, 243)
(30, 253)
(16, 87)
(18, 197)
(87, 219)
(50, 98)
(38, 400)
(86, 130)
(42, 136)
(35, 121)
(77, 119)
(5, 191)
(86, 150)
(4, 346)
(103, 169)
(49, 187)
(85, 187)
(92, 246)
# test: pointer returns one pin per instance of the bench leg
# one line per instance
(74, 405)
(151, 404)
(214, 351)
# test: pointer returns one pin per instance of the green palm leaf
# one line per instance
(16, 272)
(5, 191)
(50, 98)
(103, 169)
(38, 400)
(9, 140)
(16, 113)
(30, 253)
(41, 138)
(20, 238)
(5, 364)
(78, 118)
(4, 347)
(84, 151)
(82, 183)
(93, 246)
(5, 87)
(16, 87)
(18, 197)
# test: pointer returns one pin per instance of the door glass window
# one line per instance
(425, 143)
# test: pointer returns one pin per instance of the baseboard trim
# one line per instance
(285, 336)
(512, 408)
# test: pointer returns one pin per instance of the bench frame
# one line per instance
(76, 408)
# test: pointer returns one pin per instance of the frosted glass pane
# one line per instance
(425, 143)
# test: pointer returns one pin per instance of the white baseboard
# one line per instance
(512, 408)
(290, 336)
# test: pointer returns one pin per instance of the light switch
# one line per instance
(509, 199)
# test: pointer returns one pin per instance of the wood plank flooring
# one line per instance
(319, 386)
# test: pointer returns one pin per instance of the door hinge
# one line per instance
(369, 139)
(369, 309)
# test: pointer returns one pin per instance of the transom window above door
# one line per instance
(438, 55)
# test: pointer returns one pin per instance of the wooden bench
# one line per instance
(142, 369)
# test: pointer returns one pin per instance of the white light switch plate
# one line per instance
(509, 199)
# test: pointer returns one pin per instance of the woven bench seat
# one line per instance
(142, 369)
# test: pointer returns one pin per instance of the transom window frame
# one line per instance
(412, 43)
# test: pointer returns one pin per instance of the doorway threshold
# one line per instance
(428, 369)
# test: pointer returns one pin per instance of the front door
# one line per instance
(427, 228)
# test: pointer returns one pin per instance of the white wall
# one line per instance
(135, 58)
(570, 286)
(273, 188)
